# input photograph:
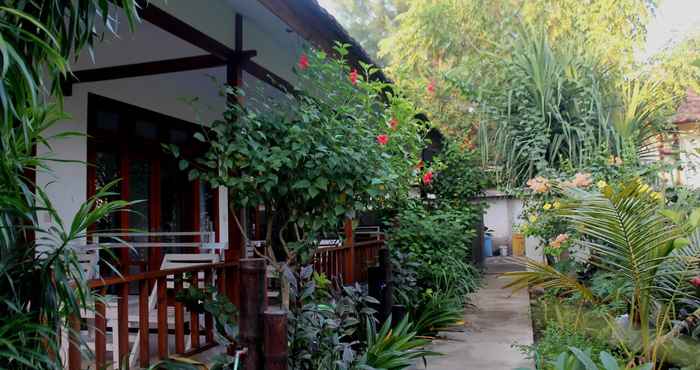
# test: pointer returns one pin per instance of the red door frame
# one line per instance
(124, 137)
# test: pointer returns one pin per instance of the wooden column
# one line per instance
(386, 300)
(234, 78)
(275, 339)
(74, 356)
(350, 266)
(252, 307)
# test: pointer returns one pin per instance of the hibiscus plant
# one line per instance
(342, 141)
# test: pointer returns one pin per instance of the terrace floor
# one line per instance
(498, 320)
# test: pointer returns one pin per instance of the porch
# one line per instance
(144, 317)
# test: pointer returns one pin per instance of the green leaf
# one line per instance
(609, 362)
(199, 136)
(183, 164)
(321, 183)
(584, 358)
(302, 184)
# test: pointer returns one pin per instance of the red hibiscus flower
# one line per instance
(303, 62)
(428, 177)
(420, 165)
(431, 87)
(353, 77)
(393, 123)
(382, 139)
(695, 281)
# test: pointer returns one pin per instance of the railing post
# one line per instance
(349, 277)
(275, 339)
(386, 300)
(74, 356)
(253, 304)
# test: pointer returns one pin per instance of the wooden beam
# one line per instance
(149, 68)
(267, 76)
(235, 60)
(183, 30)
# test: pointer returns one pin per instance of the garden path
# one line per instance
(498, 320)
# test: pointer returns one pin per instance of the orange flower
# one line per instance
(393, 123)
(582, 180)
(559, 240)
(538, 184)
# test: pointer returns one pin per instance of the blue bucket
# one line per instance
(488, 246)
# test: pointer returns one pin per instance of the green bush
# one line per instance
(556, 339)
(393, 348)
(438, 243)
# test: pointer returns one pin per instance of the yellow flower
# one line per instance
(547, 206)
(602, 184)
(532, 218)
(557, 204)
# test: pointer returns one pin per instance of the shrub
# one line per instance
(556, 339)
(438, 242)
(393, 348)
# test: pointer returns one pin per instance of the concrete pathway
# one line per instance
(498, 320)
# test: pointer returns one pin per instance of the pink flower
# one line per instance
(582, 180)
(695, 281)
(393, 123)
(431, 87)
(353, 77)
(303, 62)
(538, 184)
(382, 139)
(428, 177)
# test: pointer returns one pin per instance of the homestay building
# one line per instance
(687, 123)
(150, 87)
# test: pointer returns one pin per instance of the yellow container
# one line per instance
(518, 244)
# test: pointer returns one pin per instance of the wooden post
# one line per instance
(386, 300)
(275, 339)
(100, 332)
(74, 356)
(477, 255)
(253, 304)
(349, 262)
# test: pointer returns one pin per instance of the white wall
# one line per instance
(66, 183)
(501, 217)
(689, 142)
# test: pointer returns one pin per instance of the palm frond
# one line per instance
(545, 276)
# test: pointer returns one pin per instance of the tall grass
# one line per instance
(41, 283)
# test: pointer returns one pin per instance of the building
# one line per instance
(138, 93)
(687, 121)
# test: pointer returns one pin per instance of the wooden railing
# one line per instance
(167, 284)
(366, 255)
(335, 263)
(349, 263)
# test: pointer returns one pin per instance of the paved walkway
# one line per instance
(498, 320)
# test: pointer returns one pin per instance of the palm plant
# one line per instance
(41, 283)
(393, 348)
(629, 236)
